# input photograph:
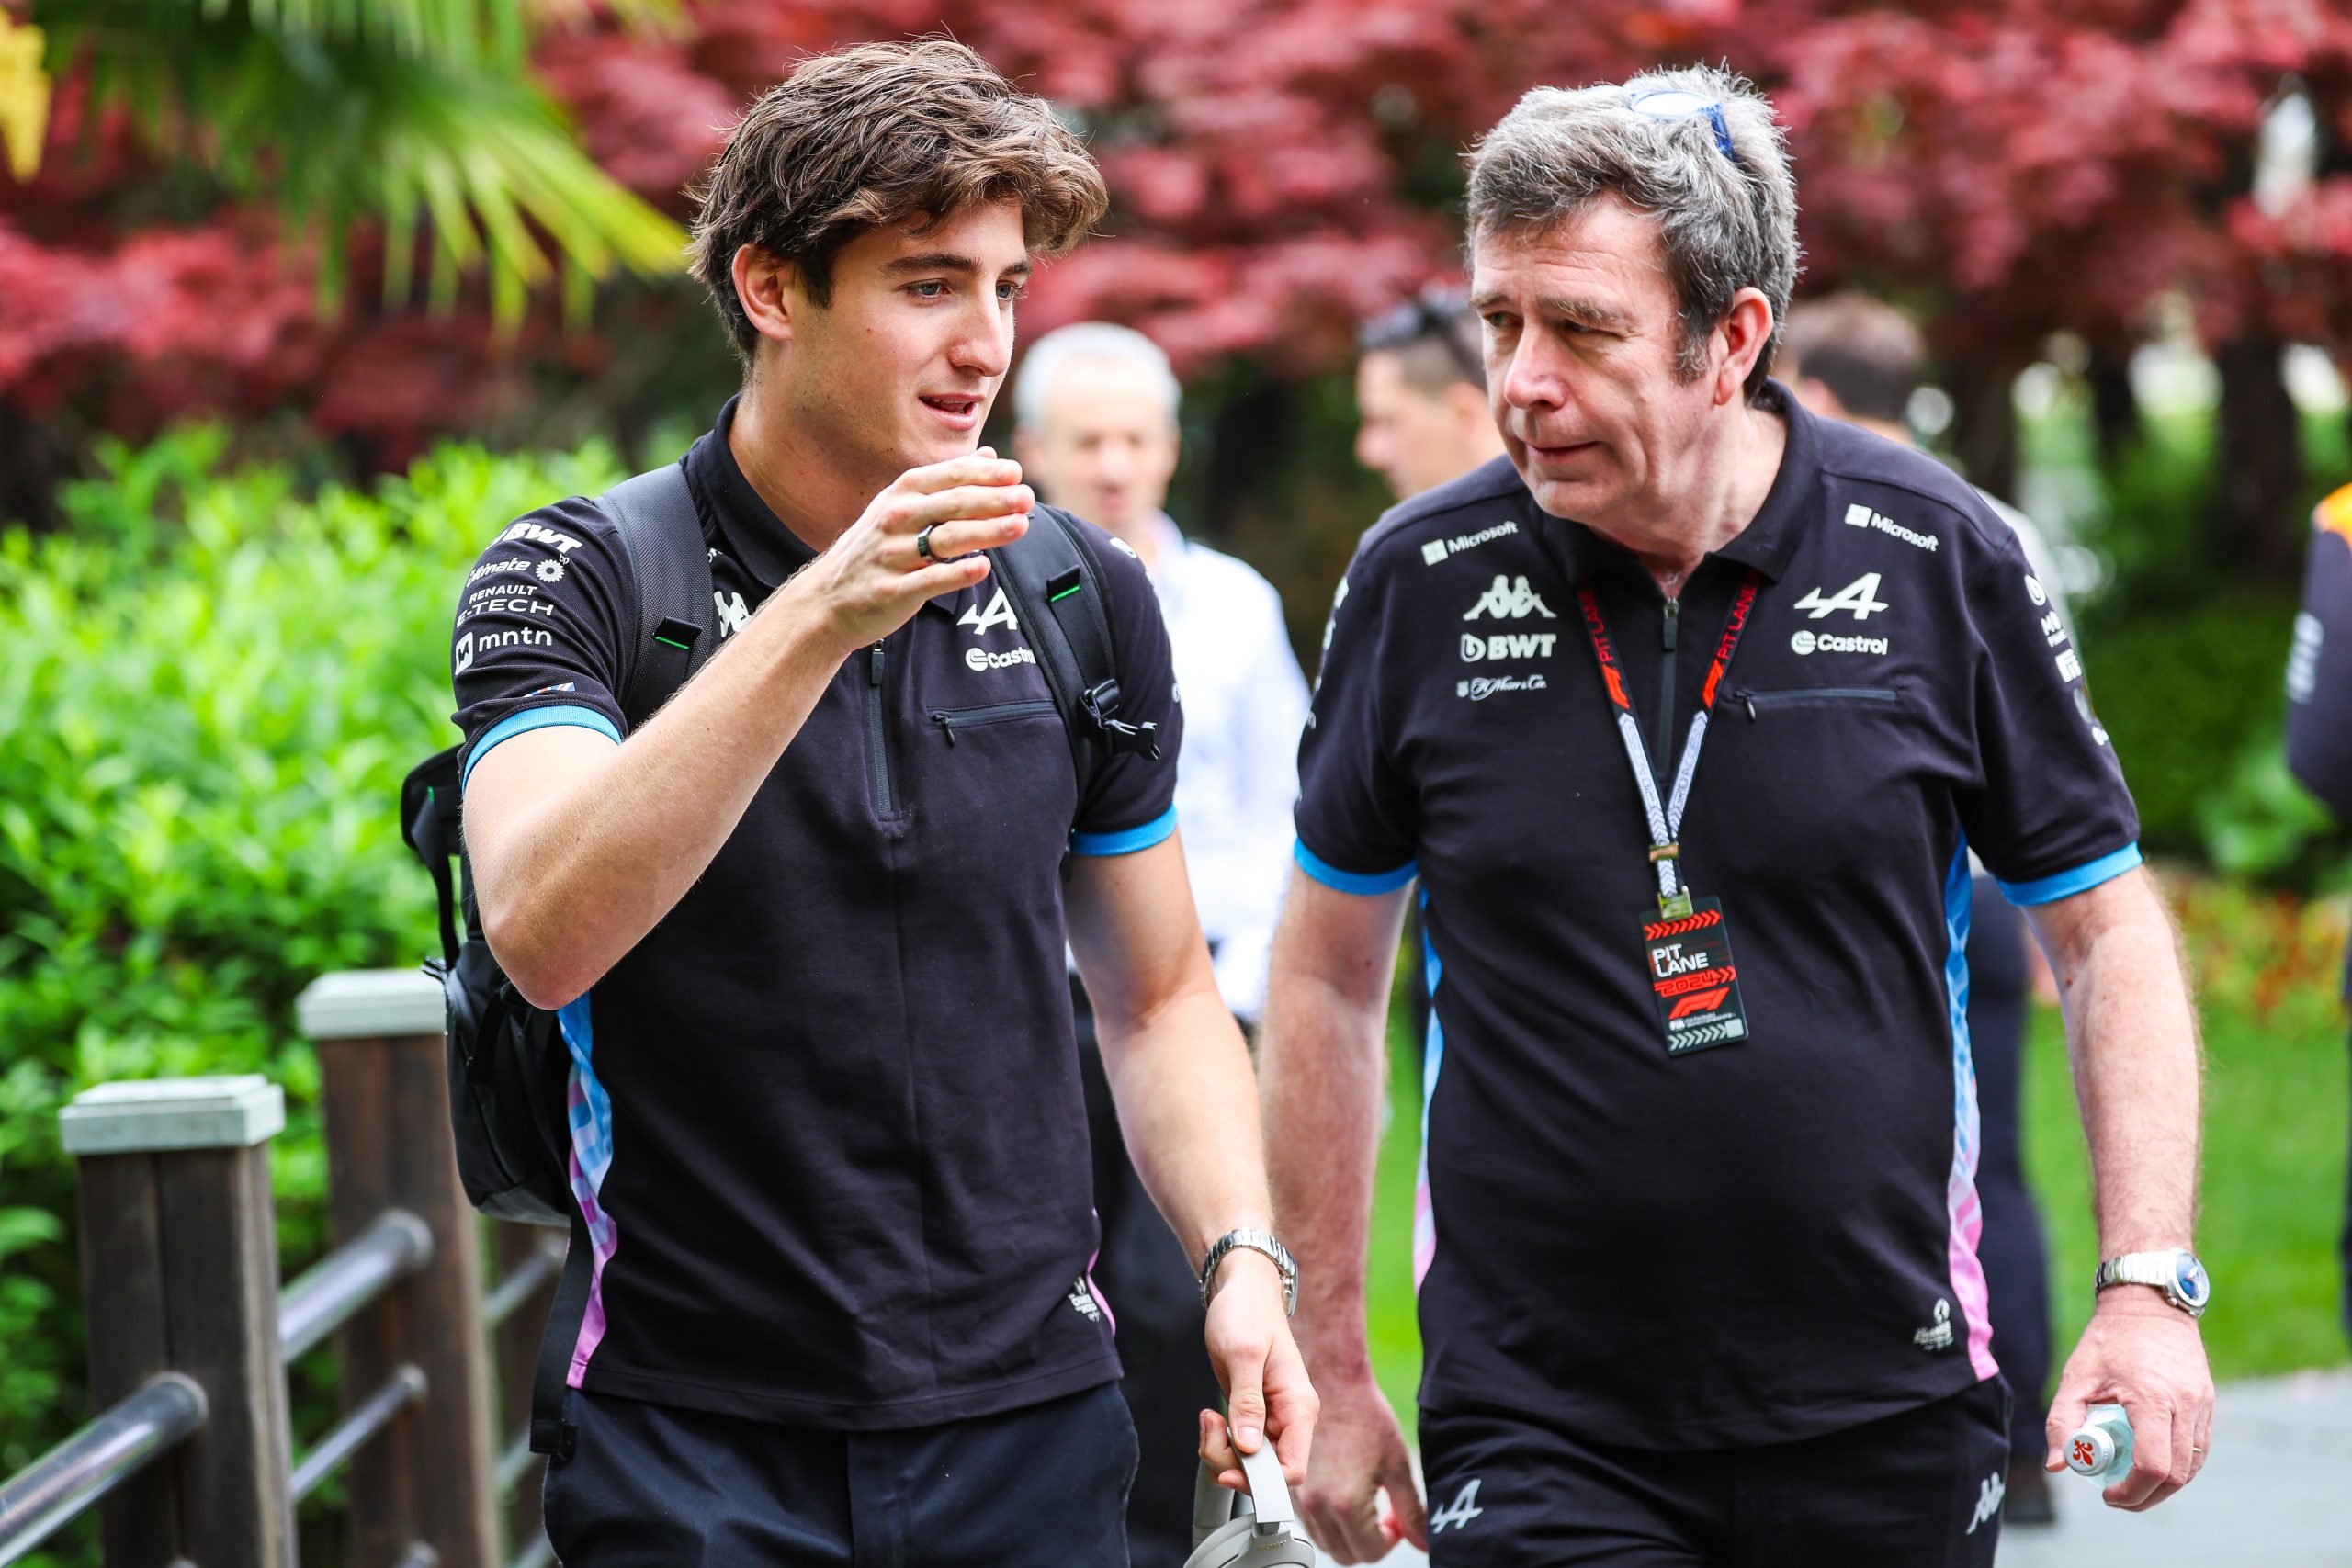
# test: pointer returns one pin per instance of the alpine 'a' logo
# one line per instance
(997, 613)
(1858, 598)
(1510, 600)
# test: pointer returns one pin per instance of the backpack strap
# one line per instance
(429, 822)
(1054, 581)
(550, 1433)
(654, 514)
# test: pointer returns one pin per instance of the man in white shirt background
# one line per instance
(1097, 434)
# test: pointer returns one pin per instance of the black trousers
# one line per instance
(2017, 1271)
(658, 1486)
(1921, 1489)
(1154, 1299)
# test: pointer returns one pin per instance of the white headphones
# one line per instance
(1256, 1530)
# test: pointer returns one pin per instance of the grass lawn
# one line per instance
(2276, 1108)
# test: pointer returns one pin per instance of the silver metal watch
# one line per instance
(1256, 1240)
(2175, 1271)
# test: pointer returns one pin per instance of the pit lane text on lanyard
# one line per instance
(1686, 948)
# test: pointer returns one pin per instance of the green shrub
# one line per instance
(2186, 693)
(212, 688)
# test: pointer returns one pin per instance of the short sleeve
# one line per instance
(1132, 804)
(538, 638)
(2052, 817)
(1355, 815)
(2319, 665)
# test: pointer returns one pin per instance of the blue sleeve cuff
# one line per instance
(1330, 876)
(2067, 884)
(1127, 841)
(516, 724)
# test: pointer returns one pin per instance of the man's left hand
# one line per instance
(1260, 1368)
(2145, 1354)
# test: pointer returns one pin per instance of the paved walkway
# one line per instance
(2278, 1494)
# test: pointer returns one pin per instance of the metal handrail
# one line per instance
(394, 1246)
(402, 1389)
(164, 1411)
(521, 1281)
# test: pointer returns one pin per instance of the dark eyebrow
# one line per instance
(951, 261)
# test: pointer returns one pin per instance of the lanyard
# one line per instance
(1665, 818)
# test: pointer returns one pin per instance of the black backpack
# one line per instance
(508, 1062)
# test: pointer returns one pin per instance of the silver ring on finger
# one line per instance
(922, 541)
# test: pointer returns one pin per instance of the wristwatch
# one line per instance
(2176, 1272)
(1256, 1240)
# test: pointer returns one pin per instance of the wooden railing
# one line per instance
(190, 1461)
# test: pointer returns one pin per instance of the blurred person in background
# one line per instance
(1696, 1241)
(1421, 420)
(1097, 433)
(1852, 357)
(2319, 706)
(1421, 393)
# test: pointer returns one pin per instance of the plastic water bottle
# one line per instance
(2101, 1448)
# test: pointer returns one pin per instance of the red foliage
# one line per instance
(1278, 169)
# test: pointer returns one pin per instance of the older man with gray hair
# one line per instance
(1097, 406)
(1696, 1243)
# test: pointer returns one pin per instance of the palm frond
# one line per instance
(418, 115)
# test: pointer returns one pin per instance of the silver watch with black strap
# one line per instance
(2175, 1270)
(1256, 1240)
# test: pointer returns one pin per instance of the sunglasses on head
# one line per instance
(1680, 103)
(1434, 312)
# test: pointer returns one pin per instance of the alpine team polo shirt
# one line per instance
(1776, 1237)
(827, 1127)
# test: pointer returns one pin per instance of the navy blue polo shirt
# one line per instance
(826, 1124)
(2319, 668)
(1771, 1238)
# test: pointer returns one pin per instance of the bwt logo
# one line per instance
(1532, 645)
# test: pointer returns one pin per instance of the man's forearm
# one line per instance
(2132, 1036)
(1322, 1078)
(1188, 1111)
(572, 883)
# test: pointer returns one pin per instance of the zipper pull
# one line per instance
(1746, 699)
(947, 728)
(1673, 618)
(876, 667)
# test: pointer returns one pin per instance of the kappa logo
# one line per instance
(1081, 1294)
(733, 613)
(1861, 517)
(997, 613)
(1989, 1498)
(1479, 690)
(1533, 645)
(982, 659)
(1936, 1335)
(1458, 1514)
(1510, 599)
(539, 533)
(1858, 598)
(1435, 552)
